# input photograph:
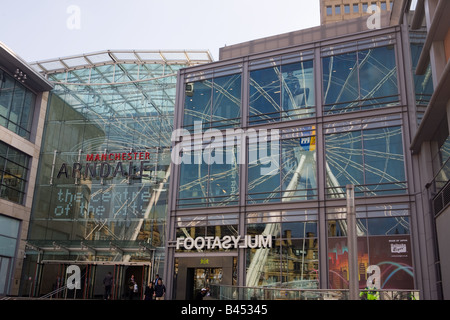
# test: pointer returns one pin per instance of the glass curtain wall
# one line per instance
(106, 162)
(209, 172)
(282, 165)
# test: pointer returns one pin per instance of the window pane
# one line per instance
(329, 10)
(298, 169)
(337, 9)
(224, 178)
(298, 90)
(263, 173)
(423, 84)
(384, 161)
(344, 162)
(226, 108)
(13, 173)
(17, 104)
(264, 95)
(197, 105)
(378, 76)
(340, 82)
(6, 93)
(193, 184)
(388, 226)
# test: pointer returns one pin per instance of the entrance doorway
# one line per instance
(196, 272)
(199, 278)
(53, 276)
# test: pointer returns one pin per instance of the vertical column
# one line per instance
(243, 172)
(321, 172)
(352, 244)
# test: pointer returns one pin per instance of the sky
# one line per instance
(45, 29)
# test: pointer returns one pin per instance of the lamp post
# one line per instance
(353, 283)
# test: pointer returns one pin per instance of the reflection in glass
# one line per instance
(214, 103)
(282, 170)
(360, 80)
(423, 84)
(197, 105)
(292, 261)
(210, 179)
(372, 160)
(282, 93)
(16, 106)
(383, 242)
(13, 173)
(298, 90)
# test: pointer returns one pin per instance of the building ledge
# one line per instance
(12, 62)
(436, 32)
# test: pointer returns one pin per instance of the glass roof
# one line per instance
(113, 86)
(183, 57)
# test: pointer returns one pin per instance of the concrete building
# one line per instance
(340, 10)
(23, 105)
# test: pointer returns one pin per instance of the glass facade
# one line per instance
(101, 192)
(303, 125)
(16, 105)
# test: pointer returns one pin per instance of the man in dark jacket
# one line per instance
(107, 282)
(160, 290)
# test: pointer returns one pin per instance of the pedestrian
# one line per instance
(107, 282)
(201, 294)
(160, 290)
(149, 291)
(131, 287)
(156, 279)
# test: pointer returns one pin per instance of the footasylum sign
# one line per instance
(226, 242)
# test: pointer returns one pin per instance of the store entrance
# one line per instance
(197, 272)
(53, 278)
(198, 278)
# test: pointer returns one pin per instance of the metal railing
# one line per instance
(223, 292)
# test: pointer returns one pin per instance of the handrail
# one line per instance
(228, 292)
(50, 294)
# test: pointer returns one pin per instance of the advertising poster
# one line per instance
(391, 254)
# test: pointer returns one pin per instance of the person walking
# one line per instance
(155, 282)
(107, 282)
(149, 291)
(160, 290)
(131, 287)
